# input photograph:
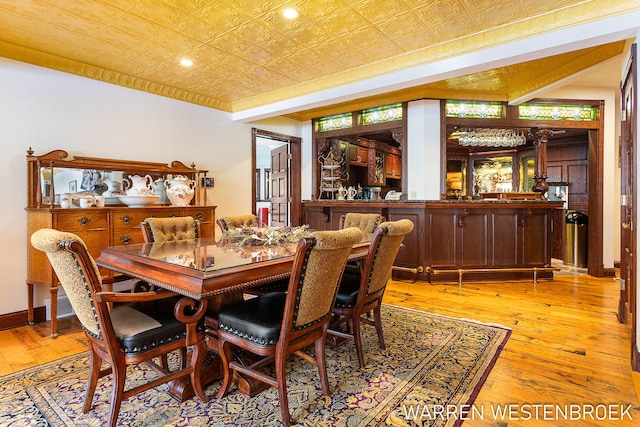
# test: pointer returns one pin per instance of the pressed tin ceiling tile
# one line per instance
(139, 42)
(376, 11)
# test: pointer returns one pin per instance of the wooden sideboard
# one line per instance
(99, 227)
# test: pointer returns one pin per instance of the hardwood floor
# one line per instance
(566, 346)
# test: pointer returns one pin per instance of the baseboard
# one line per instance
(21, 318)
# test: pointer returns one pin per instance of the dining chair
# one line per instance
(237, 221)
(367, 223)
(361, 292)
(170, 229)
(250, 220)
(278, 324)
(142, 326)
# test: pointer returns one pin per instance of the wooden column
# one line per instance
(540, 138)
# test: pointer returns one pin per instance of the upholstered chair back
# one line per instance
(79, 289)
(237, 221)
(170, 229)
(321, 272)
(365, 222)
(388, 239)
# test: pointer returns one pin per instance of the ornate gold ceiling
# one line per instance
(246, 54)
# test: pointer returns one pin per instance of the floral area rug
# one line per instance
(431, 362)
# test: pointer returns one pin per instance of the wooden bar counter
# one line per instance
(484, 239)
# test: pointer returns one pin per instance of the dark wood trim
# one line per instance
(21, 318)
(295, 172)
(635, 358)
(395, 130)
(595, 261)
(443, 149)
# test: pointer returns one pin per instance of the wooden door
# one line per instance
(280, 186)
(628, 154)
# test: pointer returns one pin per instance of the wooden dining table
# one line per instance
(210, 272)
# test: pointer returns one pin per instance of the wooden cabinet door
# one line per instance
(393, 166)
(358, 156)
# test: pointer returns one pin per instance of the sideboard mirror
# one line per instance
(54, 174)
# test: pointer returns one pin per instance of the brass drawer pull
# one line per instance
(199, 216)
(84, 220)
(125, 239)
(125, 219)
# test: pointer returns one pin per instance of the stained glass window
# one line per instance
(387, 113)
(557, 112)
(339, 121)
(473, 109)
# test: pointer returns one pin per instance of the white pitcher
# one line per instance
(140, 185)
(351, 193)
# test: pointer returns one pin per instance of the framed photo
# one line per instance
(206, 182)
(73, 186)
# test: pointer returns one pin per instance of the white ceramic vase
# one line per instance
(180, 190)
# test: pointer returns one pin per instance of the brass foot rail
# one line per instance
(415, 271)
(461, 271)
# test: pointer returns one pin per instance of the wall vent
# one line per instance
(64, 307)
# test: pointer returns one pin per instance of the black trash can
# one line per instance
(575, 244)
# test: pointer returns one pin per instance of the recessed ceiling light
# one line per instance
(290, 13)
(186, 62)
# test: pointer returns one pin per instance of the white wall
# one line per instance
(49, 110)
(423, 150)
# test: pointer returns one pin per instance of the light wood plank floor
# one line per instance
(566, 347)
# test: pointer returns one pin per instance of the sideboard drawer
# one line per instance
(132, 217)
(81, 219)
(201, 213)
(127, 236)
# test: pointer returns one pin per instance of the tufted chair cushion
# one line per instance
(365, 222)
(238, 221)
(169, 229)
(259, 319)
